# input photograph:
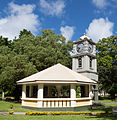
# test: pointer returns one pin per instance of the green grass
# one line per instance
(107, 101)
(112, 105)
(58, 117)
(111, 102)
(5, 106)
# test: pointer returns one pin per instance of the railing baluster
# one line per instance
(48, 103)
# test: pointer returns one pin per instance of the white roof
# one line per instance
(84, 37)
(56, 73)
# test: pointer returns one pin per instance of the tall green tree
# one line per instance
(107, 64)
(4, 41)
(29, 54)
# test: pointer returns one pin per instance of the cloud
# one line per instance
(100, 3)
(100, 28)
(67, 32)
(54, 8)
(20, 17)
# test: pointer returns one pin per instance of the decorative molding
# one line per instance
(84, 54)
(87, 71)
(80, 40)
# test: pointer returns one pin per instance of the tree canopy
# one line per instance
(29, 54)
(107, 64)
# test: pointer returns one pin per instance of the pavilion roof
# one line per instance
(56, 73)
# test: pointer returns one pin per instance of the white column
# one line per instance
(74, 64)
(73, 94)
(90, 93)
(95, 65)
(40, 94)
(23, 93)
(74, 60)
(85, 63)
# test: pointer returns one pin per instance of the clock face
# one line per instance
(80, 47)
(90, 48)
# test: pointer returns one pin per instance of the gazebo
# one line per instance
(56, 87)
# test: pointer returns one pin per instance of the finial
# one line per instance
(84, 34)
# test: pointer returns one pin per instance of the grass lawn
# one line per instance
(58, 117)
(109, 102)
(5, 106)
(112, 105)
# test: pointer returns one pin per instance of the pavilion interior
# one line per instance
(57, 91)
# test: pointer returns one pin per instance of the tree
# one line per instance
(4, 60)
(29, 54)
(24, 32)
(45, 50)
(107, 64)
(4, 41)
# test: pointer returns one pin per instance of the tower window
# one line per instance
(90, 62)
(80, 62)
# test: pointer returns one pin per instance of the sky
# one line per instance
(71, 18)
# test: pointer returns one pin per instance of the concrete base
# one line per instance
(80, 108)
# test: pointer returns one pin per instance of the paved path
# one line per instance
(114, 110)
(19, 113)
(3, 113)
(15, 113)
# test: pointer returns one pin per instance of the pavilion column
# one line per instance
(73, 94)
(90, 93)
(40, 94)
(23, 93)
(30, 91)
(96, 93)
(86, 90)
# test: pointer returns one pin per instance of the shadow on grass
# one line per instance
(108, 98)
(103, 117)
(100, 107)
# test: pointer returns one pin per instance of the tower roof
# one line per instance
(56, 73)
(84, 37)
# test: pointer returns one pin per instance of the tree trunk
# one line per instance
(112, 95)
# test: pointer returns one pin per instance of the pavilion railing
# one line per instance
(57, 103)
(52, 102)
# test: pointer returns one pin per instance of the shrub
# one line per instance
(36, 113)
(10, 112)
(66, 113)
(11, 106)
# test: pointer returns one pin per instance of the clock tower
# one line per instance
(84, 59)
